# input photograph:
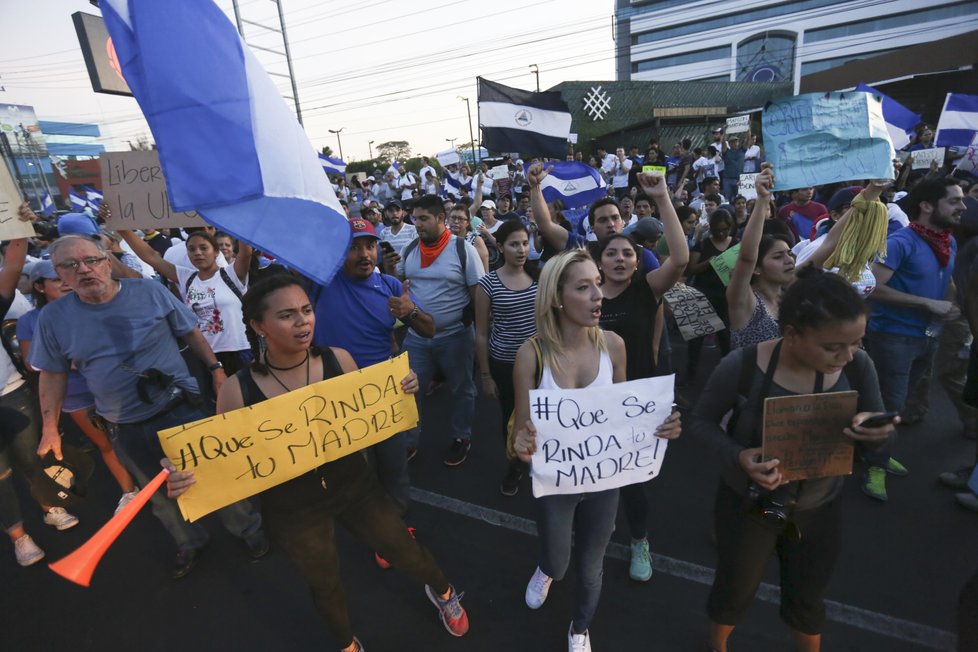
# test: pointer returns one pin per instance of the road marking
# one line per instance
(870, 621)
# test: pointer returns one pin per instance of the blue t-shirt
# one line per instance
(915, 271)
(575, 241)
(77, 396)
(352, 314)
(112, 343)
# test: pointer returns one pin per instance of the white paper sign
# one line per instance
(923, 157)
(499, 172)
(447, 157)
(599, 438)
(738, 124)
(746, 186)
(572, 138)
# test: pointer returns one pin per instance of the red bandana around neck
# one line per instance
(430, 252)
(939, 241)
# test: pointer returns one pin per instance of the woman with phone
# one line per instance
(757, 512)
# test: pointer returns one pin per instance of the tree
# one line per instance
(393, 150)
(327, 150)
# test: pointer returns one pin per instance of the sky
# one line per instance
(380, 70)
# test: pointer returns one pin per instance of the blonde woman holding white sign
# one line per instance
(575, 353)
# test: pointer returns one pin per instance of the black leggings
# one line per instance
(300, 516)
(635, 504)
(502, 375)
(744, 544)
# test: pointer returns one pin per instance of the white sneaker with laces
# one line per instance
(26, 551)
(578, 642)
(125, 499)
(537, 589)
(58, 518)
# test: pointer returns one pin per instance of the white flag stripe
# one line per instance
(579, 185)
(549, 123)
(958, 120)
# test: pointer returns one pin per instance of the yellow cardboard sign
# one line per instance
(241, 453)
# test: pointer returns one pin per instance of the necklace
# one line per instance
(299, 364)
(278, 380)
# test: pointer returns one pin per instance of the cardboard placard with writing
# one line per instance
(922, 158)
(805, 433)
(694, 314)
(738, 124)
(238, 454)
(11, 226)
(135, 190)
(499, 172)
(599, 438)
(723, 263)
(746, 186)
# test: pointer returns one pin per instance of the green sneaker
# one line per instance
(640, 568)
(895, 468)
(875, 485)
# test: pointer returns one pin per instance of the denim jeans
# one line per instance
(18, 450)
(139, 450)
(453, 356)
(591, 517)
(901, 361)
(390, 461)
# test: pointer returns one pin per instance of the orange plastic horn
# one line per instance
(80, 565)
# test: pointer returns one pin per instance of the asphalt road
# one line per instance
(895, 588)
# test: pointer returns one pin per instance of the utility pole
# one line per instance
(535, 69)
(468, 109)
(338, 141)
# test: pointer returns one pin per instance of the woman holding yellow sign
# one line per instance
(300, 513)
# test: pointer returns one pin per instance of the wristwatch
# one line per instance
(410, 316)
(214, 367)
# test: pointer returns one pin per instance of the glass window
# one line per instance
(957, 10)
(825, 64)
(711, 54)
(767, 57)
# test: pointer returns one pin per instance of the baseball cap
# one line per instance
(717, 130)
(733, 137)
(488, 203)
(42, 269)
(64, 482)
(393, 204)
(842, 198)
(77, 224)
(362, 228)
(648, 228)
(370, 179)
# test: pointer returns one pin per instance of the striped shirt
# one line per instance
(513, 320)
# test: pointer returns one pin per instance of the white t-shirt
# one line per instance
(423, 172)
(621, 170)
(405, 182)
(400, 239)
(751, 157)
(218, 311)
(804, 250)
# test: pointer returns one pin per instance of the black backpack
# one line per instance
(224, 277)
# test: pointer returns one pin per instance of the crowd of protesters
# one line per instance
(491, 289)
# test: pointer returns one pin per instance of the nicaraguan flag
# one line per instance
(899, 120)
(332, 165)
(454, 185)
(229, 145)
(959, 121)
(78, 203)
(574, 183)
(94, 198)
(47, 205)
(394, 170)
(513, 120)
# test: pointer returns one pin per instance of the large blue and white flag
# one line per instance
(574, 183)
(513, 120)
(454, 185)
(230, 147)
(47, 205)
(78, 203)
(94, 198)
(959, 121)
(332, 165)
(899, 120)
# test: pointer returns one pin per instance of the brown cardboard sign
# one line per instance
(693, 312)
(135, 190)
(805, 433)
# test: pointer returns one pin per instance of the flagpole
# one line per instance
(468, 109)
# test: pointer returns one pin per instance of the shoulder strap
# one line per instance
(539, 353)
(231, 286)
(244, 382)
(747, 365)
(186, 286)
(462, 254)
(411, 246)
(857, 375)
(331, 366)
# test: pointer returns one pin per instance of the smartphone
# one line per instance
(879, 420)
(387, 247)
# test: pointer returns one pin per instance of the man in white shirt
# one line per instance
(407, 183)
(399, 233)
(426, 168)
(619, 172)
(752, 155)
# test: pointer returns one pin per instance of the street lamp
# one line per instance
(535, 69)
(338, 141)
(468, 108)
(370, 146)
(452, 141)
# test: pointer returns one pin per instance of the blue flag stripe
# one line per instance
(492, 92)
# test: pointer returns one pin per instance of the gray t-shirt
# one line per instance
(443, 287)
(110, 343)
(721, 395)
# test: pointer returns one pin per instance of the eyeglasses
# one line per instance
(73, 265)
(456, 218)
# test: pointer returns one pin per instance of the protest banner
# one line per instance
(598, 438)
(922, 157)
(969, 162)
(746, 186)
(723, 264)
(241, 453)
(499, 172)
(693, 312)
(821, 138)
(135, 191)
(448, 157)
(654, 169)
(738, 124)
(805, 433)
(11, 226)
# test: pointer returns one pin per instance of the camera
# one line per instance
(773, 507)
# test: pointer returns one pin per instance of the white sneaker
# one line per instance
(60, 519)
(537, 589)
(27, 551)
(124, 500)
(578, 642)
